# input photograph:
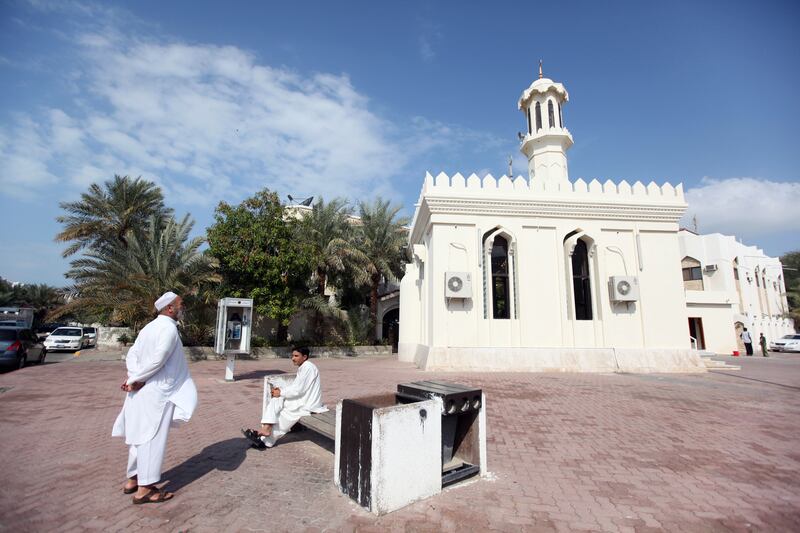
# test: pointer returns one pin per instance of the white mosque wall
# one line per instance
(633, 231)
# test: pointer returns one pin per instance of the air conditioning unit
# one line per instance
(711, 268)
(623, 288)
(458, 285)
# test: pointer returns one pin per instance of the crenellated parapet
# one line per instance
(520, 188)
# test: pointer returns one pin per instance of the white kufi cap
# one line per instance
(165, 300)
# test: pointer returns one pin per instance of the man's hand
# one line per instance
(133, 387)
(276, 392)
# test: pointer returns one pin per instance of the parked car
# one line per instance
(19, 346)
(91, 336)
(787, 343)
(65, 338)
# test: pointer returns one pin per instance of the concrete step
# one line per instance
(715, 364)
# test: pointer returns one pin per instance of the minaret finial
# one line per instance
(540, 70)
(510, 167)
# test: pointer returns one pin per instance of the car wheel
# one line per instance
(22, 361)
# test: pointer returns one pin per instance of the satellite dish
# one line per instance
(307, 201)
(290, 197)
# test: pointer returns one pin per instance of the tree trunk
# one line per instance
(283, 333)
(373, 306)
(319, 320)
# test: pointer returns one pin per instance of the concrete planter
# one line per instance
(200, 353)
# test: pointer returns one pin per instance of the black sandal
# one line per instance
(254, 438)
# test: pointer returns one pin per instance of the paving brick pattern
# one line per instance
(567, 452)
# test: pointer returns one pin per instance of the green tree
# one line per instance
(260, 256)
(791, 279)
(107, 214)
(122, 279)
(42, 298)
(382, 242)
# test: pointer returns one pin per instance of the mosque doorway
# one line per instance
(696, 332)
(391, 327)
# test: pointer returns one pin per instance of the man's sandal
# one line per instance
(253, 437)
(160, 497)
(130, 490)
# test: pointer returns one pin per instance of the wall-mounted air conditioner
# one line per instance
(458, 285)
(623, 288)
(711, 268)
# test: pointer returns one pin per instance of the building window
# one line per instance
(538, 116)
(501, 304)
(581, 284)
(560, 117)
(551, 114)
(757, 283)
(692, 273)
(528, 114)
(736, 270)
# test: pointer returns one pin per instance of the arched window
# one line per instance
(528, 114)
(581, 284)
(538, 116)
(551, 118)
(560, 117)
(692, 274)
(499, 275)
(757, 283)
(736, 269)
(501, 303)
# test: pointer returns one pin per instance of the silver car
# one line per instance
(65, 338)
(787, 343)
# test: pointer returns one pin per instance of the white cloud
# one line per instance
(210, 123)
(745, 207)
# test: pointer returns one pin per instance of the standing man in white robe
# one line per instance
(160, 392)
(285, 407)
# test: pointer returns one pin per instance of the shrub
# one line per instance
(124, 339)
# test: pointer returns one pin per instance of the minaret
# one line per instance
(547, 139)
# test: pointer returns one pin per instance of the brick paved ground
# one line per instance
(567, 452)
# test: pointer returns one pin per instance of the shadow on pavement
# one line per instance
(225, 455)
(257, 374)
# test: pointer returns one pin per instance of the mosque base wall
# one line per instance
(519, 359)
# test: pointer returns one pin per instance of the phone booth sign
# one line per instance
(234, 328)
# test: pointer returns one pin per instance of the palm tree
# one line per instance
(109, 213)
(123, 281)
(328, 237)
(382, 241)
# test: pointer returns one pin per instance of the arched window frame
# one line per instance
(570, 242)
(528, 114)
(488, 286)
(692, 273)
(560, 117)
(538, 116)
(551, 114)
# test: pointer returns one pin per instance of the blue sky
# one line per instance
(214, 101)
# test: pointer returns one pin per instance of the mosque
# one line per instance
(544, 273)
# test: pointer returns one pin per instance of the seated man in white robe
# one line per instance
(286, 406)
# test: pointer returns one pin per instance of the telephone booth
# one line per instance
(234, 328)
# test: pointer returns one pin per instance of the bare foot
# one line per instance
(131, 485)
(266, 430)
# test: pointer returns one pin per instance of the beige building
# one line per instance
(730, 286)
